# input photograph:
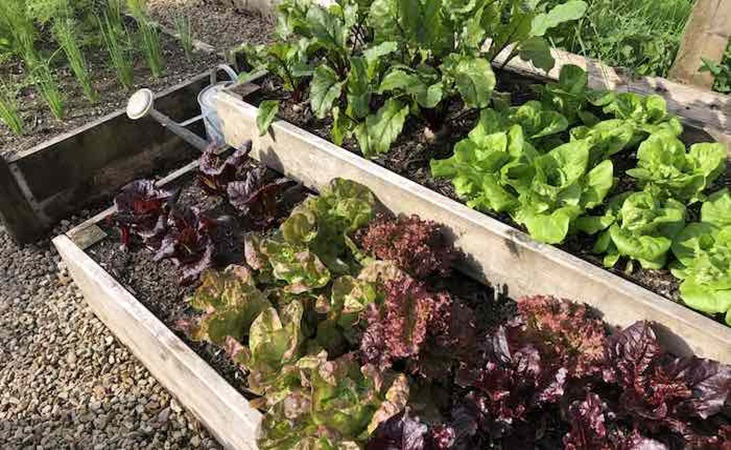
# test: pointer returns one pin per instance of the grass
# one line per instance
(9, 110)
(185, 34)
(642, 35)
(117, 42)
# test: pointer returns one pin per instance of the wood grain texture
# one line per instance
(196, 385)
(497, 253)
(706, 35)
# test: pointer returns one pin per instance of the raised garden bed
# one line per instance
(417, 116)
(140, 302)
(504, 255)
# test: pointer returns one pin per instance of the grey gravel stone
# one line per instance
(65, 382)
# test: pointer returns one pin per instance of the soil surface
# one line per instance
(214, 22)
(416, 147)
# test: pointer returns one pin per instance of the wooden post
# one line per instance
(15, 211)
(706, 35)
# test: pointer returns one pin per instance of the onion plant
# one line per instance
(63, 30)
(149, 37)
(117, 41)
(47, 87)
(185, 34)
(9, 110)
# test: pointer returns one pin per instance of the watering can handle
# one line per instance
(226, 68)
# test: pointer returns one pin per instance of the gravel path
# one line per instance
(65, 382)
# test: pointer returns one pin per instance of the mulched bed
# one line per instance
(413, 150)
(214, 22)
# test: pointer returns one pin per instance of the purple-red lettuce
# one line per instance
(664, 395)
(216, 172)
(408, 316)
(419, 247)
(250, 188)
(141, 209)
(193, 241)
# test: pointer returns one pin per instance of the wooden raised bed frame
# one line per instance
(497, 253)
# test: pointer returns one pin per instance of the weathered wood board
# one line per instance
(196, 385)
(497, 252)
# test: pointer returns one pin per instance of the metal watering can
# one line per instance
(142, 104)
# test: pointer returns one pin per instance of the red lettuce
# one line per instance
(663, 394)
(256, 197)
(403, 432)
(399, 327)
(216, 172)
(141, 209)
(193, 241)
(419, 247)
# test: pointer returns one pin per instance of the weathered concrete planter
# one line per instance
(45, 183)
(497, 252)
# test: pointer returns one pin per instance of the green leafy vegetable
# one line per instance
(645, 224)
(664, 163)
(265, 115)
(703, 251)
(230, 302)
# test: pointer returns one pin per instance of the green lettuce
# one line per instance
(499, 171)
(663, 162)
(230, 302)
(332, 406)
(644, 226)
(324, 223)
(703, 251)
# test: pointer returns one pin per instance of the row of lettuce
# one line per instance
(369, 67)
(340, 318)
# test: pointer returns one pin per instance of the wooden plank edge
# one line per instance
(700, 108)
(507, 255)
(196, 385)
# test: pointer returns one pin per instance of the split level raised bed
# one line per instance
(496, 253)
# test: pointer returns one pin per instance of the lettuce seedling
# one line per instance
(643, 226)
(703, 251)
(663, 162)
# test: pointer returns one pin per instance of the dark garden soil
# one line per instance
(155, 284)
(416, 147)
(214, 22)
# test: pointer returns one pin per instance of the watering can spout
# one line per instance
(142, 104)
